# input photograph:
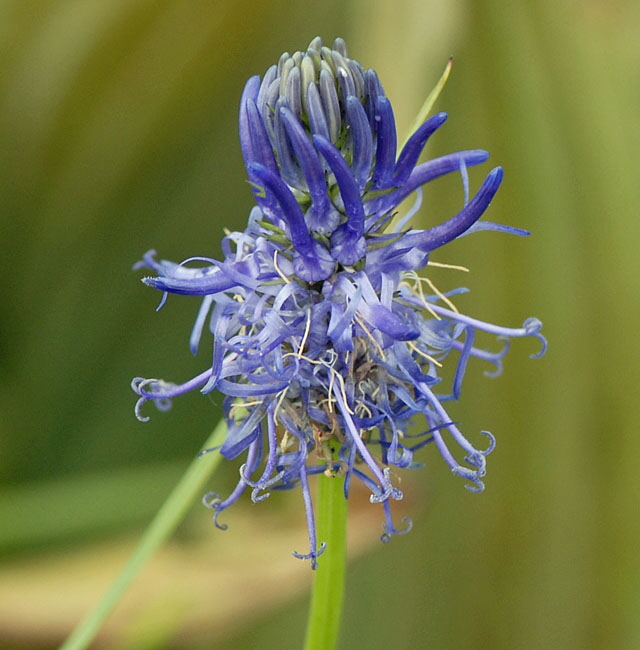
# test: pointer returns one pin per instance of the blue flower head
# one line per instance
(327, 344)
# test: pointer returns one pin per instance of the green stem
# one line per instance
(165, 522)
(328, 580)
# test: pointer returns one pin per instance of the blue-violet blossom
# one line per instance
(325, 343)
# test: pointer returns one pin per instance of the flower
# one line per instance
(326, 342)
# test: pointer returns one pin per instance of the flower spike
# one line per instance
(327, 343)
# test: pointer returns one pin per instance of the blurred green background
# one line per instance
(118, 134)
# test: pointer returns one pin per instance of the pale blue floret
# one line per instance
(324, 344)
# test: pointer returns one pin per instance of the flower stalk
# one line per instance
(325, 611)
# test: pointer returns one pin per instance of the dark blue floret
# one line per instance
(362, 142)
(429, 240)
(386, 143)
(321, 216)
(311, 260)
(408, 158)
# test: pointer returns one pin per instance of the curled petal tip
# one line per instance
(532, 326)
(312, 555)
(492, 443)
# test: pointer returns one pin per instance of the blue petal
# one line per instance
(264, 94)
(424, 173)
(388, 323)
(386, 144)
(330, 103)
(322, 216)
(373, 90)
(437, 236)
(412, 150)
(315, 112)
(347, 242)
(312, 261)
(289, 171)
(497, 227)
(347, 247)
(362, 141)
(260, 149)
(292, 90)
(345, 80)
(239, 437)
(250, 92)
(199, 286)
